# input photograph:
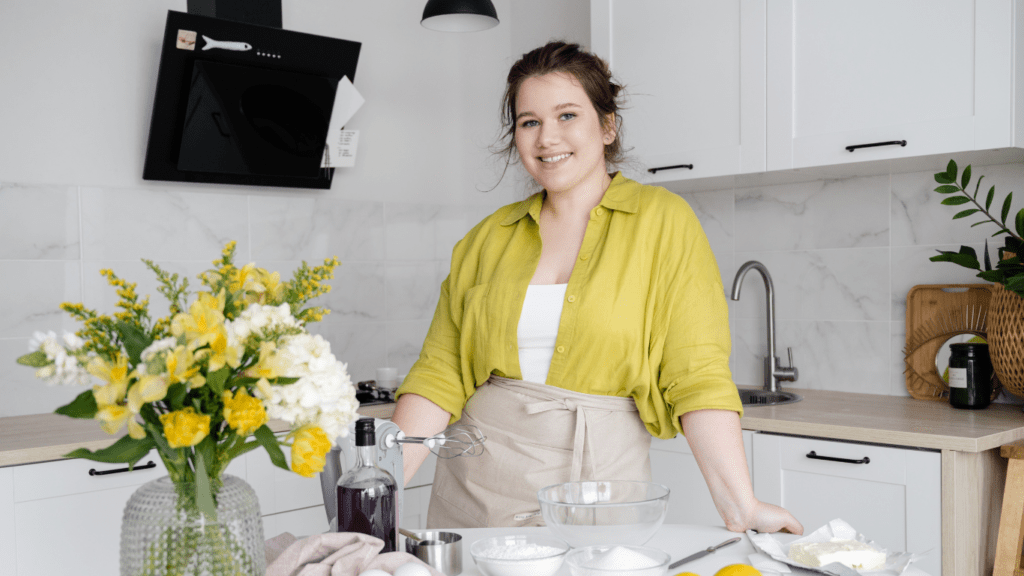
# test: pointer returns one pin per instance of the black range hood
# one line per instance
(241, 103)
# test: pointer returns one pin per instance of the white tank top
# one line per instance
(538, 329)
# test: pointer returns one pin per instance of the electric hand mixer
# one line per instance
(457, 440)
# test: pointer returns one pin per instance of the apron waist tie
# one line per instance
(578, 443)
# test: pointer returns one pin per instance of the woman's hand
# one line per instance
(716, 440)
(766, 517)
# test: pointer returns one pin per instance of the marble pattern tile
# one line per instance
(129, 224)
(411, 231)
(911, 267)
(898, 385)
(920, 218)
(39, 222)
(413, 290)
(851, 284)
(362, 346)
(22, 392)
(715, 210)
(824, 214)
(838, 356)
(313, 228)
(31, 292)
(405, 340)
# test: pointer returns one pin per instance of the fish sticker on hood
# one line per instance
(225, 45)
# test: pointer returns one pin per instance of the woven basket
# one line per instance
(1006, 338)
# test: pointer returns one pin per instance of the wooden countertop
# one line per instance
(840, 415)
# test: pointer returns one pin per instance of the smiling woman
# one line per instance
(604, 292)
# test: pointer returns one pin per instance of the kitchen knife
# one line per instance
(702, 553)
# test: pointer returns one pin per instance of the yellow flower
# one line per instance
(202, 323)
(116, 377)
(184, 427)
(242, 277)
(271, 364)
(221, 352)
(112, 417)
(243, 412)
(309, 450)
(181, 367)
(149, 388)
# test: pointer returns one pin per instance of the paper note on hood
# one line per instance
(340, 150)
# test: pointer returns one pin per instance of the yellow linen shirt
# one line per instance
(644, 312)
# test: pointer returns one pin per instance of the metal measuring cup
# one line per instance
(441, 551)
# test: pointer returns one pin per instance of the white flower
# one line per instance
(65, 368)
(259, 318)
(157, 347)
(323, 396)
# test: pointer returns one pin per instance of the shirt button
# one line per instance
(584, 256)
(572, 298)
(599, 211)
(560, 349)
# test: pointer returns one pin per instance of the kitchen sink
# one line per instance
(767, 398)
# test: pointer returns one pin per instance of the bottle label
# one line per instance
(958, 377)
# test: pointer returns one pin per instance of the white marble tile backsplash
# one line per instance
(843, 254)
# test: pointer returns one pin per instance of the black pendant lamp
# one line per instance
(459, 15)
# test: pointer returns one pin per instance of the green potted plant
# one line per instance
(1006, 311)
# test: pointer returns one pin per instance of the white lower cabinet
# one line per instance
(892, 495)
(414, 508)
(673, 464)
(8, 531)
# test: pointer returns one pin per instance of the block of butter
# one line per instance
(850, 553)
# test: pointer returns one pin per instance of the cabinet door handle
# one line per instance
(147, 466)
(655, 170)
(813, 455)
(890, 143)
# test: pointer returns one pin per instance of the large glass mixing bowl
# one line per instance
(612, 512)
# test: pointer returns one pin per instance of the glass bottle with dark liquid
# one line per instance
(367, 494)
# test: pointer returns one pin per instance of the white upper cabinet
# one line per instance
(935, 74)
(694, 72)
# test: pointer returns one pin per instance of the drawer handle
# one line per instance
(147, 466)
(813, 455)
(890, 143)
(655, 170)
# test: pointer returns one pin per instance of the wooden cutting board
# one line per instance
(935, 313)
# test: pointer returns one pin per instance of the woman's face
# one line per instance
(559, 135)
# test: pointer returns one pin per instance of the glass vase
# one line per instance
(164, 533)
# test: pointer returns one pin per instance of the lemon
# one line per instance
(738, 570)
(686, 574)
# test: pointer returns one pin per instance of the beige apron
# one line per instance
(537, 435)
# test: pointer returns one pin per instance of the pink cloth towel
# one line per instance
(333, 554)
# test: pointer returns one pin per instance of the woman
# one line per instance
(576, 324)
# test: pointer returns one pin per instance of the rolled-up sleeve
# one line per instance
(694, 372)
(437, 374)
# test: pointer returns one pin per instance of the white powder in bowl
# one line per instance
(519, 559)
(621, 561)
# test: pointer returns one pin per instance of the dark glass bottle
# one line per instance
(367, 494)
(970, 376)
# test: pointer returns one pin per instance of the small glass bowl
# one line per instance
(543, 565)
(609, 512)
(581, 560)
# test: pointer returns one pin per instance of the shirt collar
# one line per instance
(622, 194)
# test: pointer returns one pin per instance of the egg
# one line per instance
(374, 572)
(412, 569)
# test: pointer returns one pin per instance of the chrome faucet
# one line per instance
(773, 371)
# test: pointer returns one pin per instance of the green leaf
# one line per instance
(991, 195)
(242, 449)
(943, 178)
(956, 200)
(284, 380)
(1020, 223)
(242, 381)
(204, 496)
(266, 438)
(1006, 207)
(977, 187)
(215, 380)
(965, 178)
(947, 189)
(966, 257)
(35, 359)
(176, 395)
(980, 223)
(1002, 231)
(83, 406)
(988, 261)
(966, 213)
(951, 169)
(135, 340)
(1016, 283)
(127, 450)
(992, 276)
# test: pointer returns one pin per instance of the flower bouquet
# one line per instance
(199, 386)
